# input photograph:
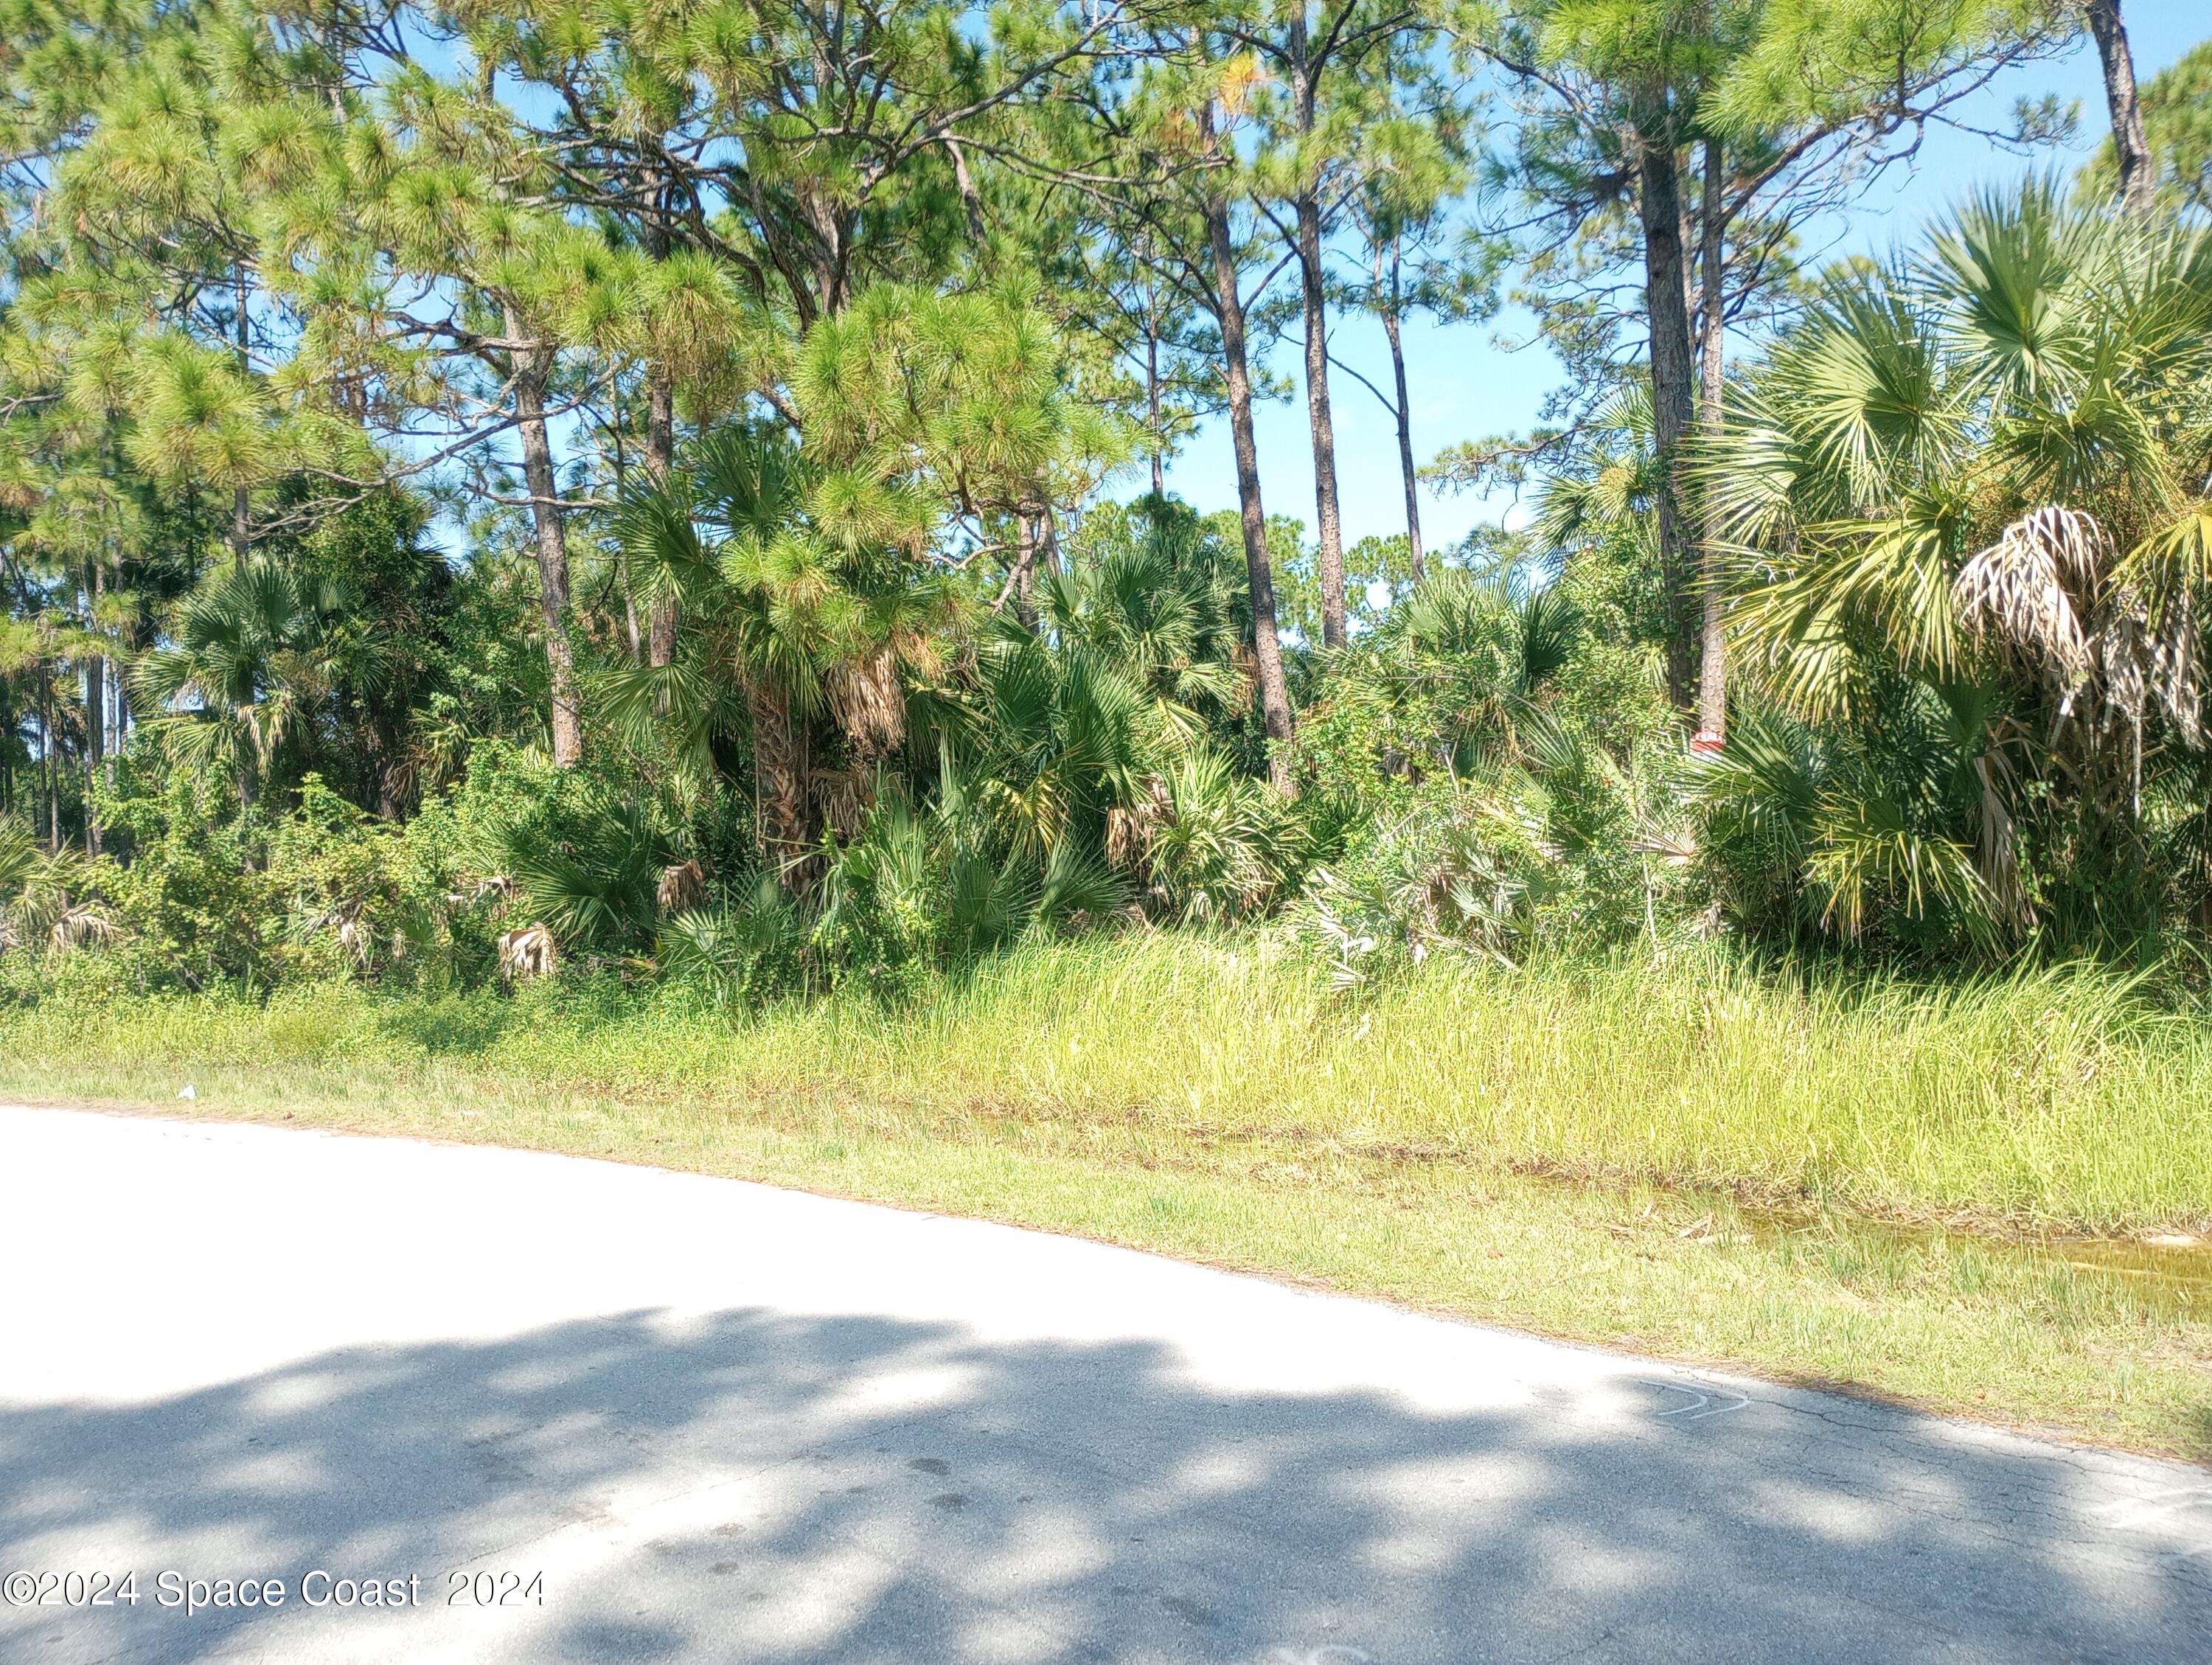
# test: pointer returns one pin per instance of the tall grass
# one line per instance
(2049, 1097)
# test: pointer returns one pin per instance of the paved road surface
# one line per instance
(706, 1420)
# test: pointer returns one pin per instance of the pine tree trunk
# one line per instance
(533, 369)
(659, 430)
(51, 742)
(1406, 469)
(632, 633)
(1047, 537)
(1229, 306)
(1673, 382)
(1712, 661)
(118, 707)
(2138, 175)
(1152, 396)
(1314, 295)
(1024, 573)
(95, 714)
(241, 503)
(660, 457)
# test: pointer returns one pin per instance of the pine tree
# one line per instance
(1718, 130)
(1319, 77)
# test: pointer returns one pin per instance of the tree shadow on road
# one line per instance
(778, 1490)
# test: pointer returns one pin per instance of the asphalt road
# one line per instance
(604, 1413)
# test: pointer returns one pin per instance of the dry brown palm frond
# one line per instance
(49, 910)
(845, 795)
(1997, 851)
(528, 952)
(2031, 588)
(682, 887)
(1121, 838)
(1676, 846)
(868, 702)
(79, 926)
(2123, 651)
(922, 653)
(2050, 588)
(2176, 649)
(354, 936)
(1129, 830)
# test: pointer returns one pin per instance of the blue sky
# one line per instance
(1466, 382)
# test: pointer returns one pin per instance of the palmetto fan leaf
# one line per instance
(1068, 737)
(1765, 785)
(1161, 610)
(1076, 888)
(1867, 851)
(1487, 644)
(2017, 269)
(1615, 494)
(1749, 475)
(748, 485)
(1858, 506)
(666, 557)
(248, 649)
(41, 901)
(19, 863)
(595, 892)
(1854, 588)
(1215, 853)
(683, 704)
(1866, 394)
(2101, 446)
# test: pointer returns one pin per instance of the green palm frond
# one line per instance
(1765, 787)
(595, 888)
(1867, 392)
(19, 858)
(1867, 855)
(250, 647)
(2010, 263)
(667, 559)
(1077, 889)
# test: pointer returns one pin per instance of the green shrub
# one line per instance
(195, 902)
(745, 952)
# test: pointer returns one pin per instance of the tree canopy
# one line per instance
(486, 484)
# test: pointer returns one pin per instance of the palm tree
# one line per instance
(1613, 491)
(1066, 744)
(1966, 499)
(1164, 609)
(42, 902)
(792, 639)
(1096, 740)
(248, 658)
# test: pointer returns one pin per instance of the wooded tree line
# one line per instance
(723, 399)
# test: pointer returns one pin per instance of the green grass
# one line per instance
(1820, 1179)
